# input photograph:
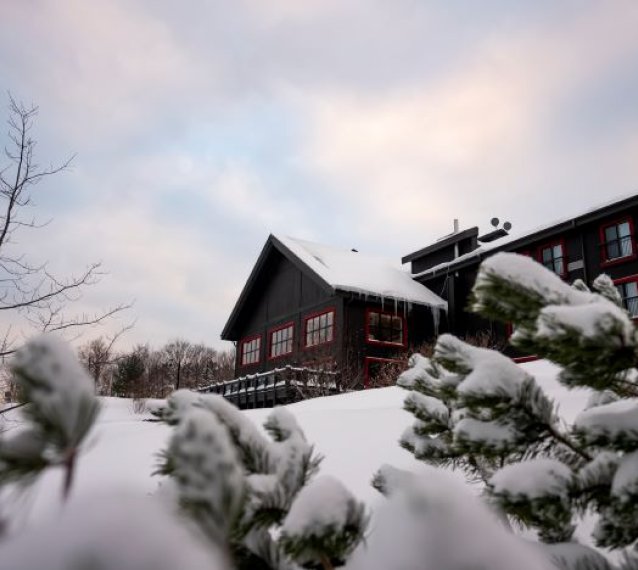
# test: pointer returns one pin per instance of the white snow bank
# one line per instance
(355, 432)
(115, 531)
(432, 522)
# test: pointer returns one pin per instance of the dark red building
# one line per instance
(315, 306)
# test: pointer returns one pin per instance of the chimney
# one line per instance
(456, 226)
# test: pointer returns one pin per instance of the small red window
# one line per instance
(385, 328)
(250, 350)
(319, 328)
(552, 256)
(617, 241)
(281, 340)
(628, 290)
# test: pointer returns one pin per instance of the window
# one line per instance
(320, 328)
(617, 240)
(628, 289)
(385, 328)
(552, 256)
(281, 340)
(250, 349)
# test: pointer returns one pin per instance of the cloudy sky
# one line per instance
(202, 126)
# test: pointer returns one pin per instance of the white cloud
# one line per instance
(476, 140)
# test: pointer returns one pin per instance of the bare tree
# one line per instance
(178, 354)
(27, 288)
(98, 355)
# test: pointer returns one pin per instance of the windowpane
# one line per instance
(611, 233)
(618, 241)
(552, 258)
(383, 327)
(319, 329)
(629, 294)
(250, 351)
(281, 341)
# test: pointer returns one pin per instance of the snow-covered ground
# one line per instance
(356, 433)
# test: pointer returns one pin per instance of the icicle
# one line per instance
(382, 303)
(396, 306)
(436, 318)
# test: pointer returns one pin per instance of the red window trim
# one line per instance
(403, 344)
(561, 242)
(274, 330)
(241, 350)
(366, 363)
(318, 314)
(524, 359)
(628, 279)
(604, 262)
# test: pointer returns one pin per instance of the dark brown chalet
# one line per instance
(601, 240)
(319, 307)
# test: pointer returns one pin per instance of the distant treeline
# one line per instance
(144, 372)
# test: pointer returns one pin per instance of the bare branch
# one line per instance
(29, 289)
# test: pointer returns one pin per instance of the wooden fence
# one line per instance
(276, 387)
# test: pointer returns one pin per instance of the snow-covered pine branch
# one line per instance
(324, 525)
(60, 410)
(587, 333)
(477, 410)
(241, 486)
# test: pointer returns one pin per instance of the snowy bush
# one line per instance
(478, 411)
(248, 492)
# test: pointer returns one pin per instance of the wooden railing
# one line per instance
(275, 387)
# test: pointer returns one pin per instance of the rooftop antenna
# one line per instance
(497, 232)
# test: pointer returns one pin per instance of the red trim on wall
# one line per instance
(561, 242)
(318, 314)
(274, 330)
(404, 344)
(241, 350)
(604, 262)
(366, 362)
(524, 359)
(627, 279)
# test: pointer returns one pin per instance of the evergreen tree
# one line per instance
(128, 373)
(478, 411)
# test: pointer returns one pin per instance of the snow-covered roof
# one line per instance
(515, 236)
(347, 270)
